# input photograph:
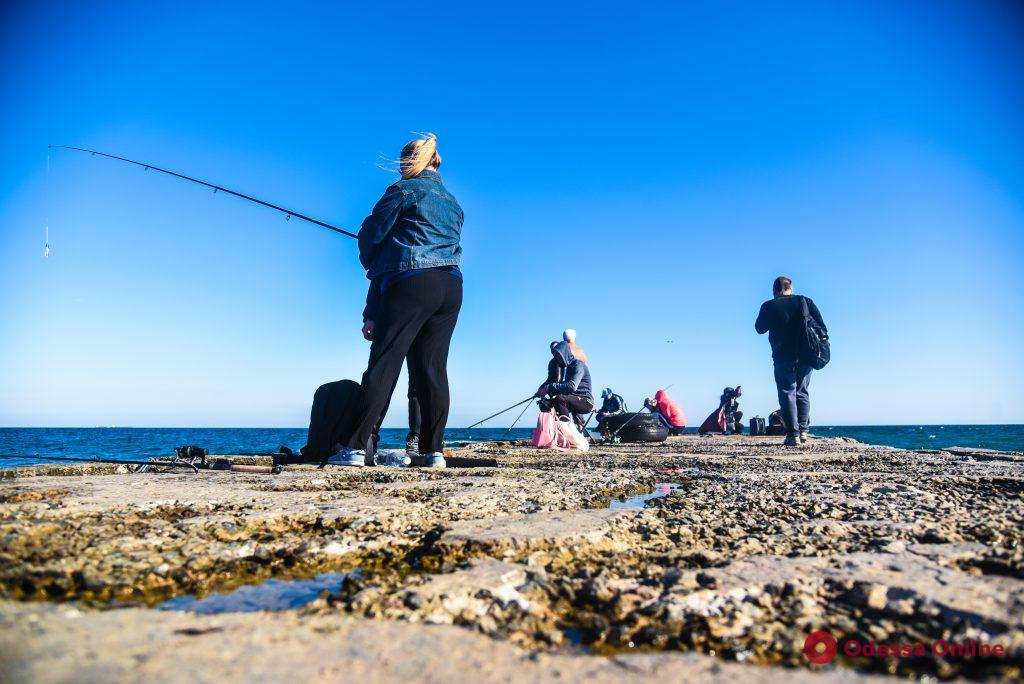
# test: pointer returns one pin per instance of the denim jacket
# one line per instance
(416, 224)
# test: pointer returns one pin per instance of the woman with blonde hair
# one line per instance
(410, 248)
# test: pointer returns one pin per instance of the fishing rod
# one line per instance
(616, 433)
(195, 464)
(216, 188)
(515, 421)
(628, 421)
(97, 459)
(518, 403)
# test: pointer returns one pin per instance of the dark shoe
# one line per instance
(791, 441)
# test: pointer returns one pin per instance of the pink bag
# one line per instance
(552, 433)
(545, 433)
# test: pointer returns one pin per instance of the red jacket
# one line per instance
(670, 409)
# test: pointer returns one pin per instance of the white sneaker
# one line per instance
(434, 460)
(353, 458)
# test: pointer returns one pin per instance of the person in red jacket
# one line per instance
(668, 410)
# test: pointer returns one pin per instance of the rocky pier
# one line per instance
(698, 558)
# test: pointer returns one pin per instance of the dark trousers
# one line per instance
(792, 379)
(415, 420)
(416, 319)
(415, 415)
(567, 404)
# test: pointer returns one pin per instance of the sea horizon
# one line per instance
(140, 443)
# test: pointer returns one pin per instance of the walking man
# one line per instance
(782, 318)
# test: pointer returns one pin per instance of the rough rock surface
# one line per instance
(522, 572)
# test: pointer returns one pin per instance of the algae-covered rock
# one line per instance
(751, 549)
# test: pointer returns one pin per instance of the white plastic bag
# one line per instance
(570, 435)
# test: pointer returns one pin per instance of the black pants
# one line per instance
(792, 379)
(415, 421)
(566, 404)
(416, 319)
(415, 414)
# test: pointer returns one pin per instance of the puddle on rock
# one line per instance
(271, 595)
(640, 500)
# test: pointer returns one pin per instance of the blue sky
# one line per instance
(638, 172)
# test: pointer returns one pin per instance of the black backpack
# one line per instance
(814, 347)
(330, 420)
(756, 426)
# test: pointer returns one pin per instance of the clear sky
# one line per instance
(639, 172)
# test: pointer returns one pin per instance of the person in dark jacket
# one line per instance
(782, 318)
(726, 419)
(730, 402)
(412, 438)
(411, 245)
(568, 383)
(612, 404)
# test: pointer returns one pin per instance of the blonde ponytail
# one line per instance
(419, 155)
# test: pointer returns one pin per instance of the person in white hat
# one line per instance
(570, 336)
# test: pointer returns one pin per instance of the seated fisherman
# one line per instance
(670, 413)
(733, 415)
(727, 417)
(612, 404)
(568, 383)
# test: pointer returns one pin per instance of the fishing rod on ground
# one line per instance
(153, 461)
(495, 415)
(216, 188)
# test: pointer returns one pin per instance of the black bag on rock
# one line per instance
(815, 350)
(756, 426)
(330, 418)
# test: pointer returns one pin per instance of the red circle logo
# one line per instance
(820, 647)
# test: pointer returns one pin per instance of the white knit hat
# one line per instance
(569, 335)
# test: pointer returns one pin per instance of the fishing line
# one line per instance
(46, 200)
(216, 188)
(630, 420)
(516, 420)
(518, 403)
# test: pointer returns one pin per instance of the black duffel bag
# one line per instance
(330, 420)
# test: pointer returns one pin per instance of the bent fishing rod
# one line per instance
(216, 188)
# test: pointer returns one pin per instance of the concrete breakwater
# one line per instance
(522, 571)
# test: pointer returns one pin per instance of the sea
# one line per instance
(134, 443)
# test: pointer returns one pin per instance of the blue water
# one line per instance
(141, 443)
(661, 489)
(273, 594)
